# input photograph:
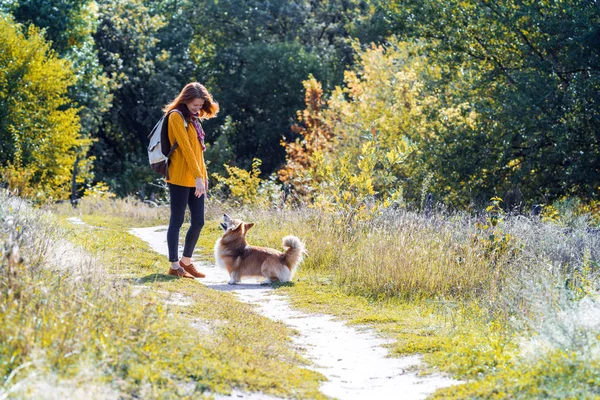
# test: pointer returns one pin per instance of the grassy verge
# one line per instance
(501, 306)
(118, 327)
(510, 306)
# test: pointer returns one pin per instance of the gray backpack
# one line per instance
(160, 149)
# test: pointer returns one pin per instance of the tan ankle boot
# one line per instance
(180, 273)
(190, 269)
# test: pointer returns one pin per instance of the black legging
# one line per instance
(180, 197)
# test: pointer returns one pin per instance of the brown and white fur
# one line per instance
(233, 253)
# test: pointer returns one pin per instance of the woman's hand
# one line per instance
(200, 188)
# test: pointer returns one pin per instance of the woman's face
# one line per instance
(195, 105)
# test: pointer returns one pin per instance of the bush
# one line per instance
(40, 133)
(247, 188)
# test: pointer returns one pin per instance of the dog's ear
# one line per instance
(248, 226)
(236, 227)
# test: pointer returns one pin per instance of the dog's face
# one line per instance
(236, 226)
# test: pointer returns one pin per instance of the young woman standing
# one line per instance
(188, 179)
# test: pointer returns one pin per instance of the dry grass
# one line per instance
(408, 257)
(478, 300)
(130, 209)
(67, 326)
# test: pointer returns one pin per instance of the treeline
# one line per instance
(463, 99)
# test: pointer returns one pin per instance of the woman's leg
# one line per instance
(196, 205)
(178, 200)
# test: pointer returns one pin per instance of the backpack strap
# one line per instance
(185, 124)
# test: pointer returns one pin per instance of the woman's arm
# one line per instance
(204, 171)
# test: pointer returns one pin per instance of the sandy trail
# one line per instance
(353, 360)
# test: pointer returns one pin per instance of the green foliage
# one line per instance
(126, 39)
(69, 26)
(499, 246)
(348, 183)
(67, 23)
(256, 54)
(243, 185)
(529, 70)
(255, 88)
(315, 137)
(374, 119)
(379, 127)
(92, 91)
(39, 132)
(490, 233)
(559, 375)
(570, 211)
(495, 97)
(144, 48)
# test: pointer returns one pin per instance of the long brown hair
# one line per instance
(190, 92)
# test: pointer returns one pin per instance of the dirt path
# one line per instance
(353, 360)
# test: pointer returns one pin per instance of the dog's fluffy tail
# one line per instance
(294, 251)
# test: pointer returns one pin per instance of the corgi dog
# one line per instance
(233, 253)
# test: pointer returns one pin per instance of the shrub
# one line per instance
(246, 187)
(40, 133)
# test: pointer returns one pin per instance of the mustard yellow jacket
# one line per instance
(187, 161)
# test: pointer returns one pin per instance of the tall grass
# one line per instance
(45, 330)
(405, 254)
(73, 330)
(132, 209)
(524, 292)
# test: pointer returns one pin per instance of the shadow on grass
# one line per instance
(155, 278)
(224, 287)
(247, 286)
(277, 285)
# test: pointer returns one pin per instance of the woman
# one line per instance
(188, 179)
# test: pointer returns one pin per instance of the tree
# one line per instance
(66, 22)
(144, 48)
(260, 89)
(362, 150)
(68, 25)
(39, 133)
(316, 137)
(255, 54)
(532, 73)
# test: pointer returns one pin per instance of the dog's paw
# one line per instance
(232, 282)
(266, 282)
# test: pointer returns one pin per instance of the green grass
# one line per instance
(249, 351)
(556, 375)
(454, 336)
(458, 341)
(465, 296)
(114, 327)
